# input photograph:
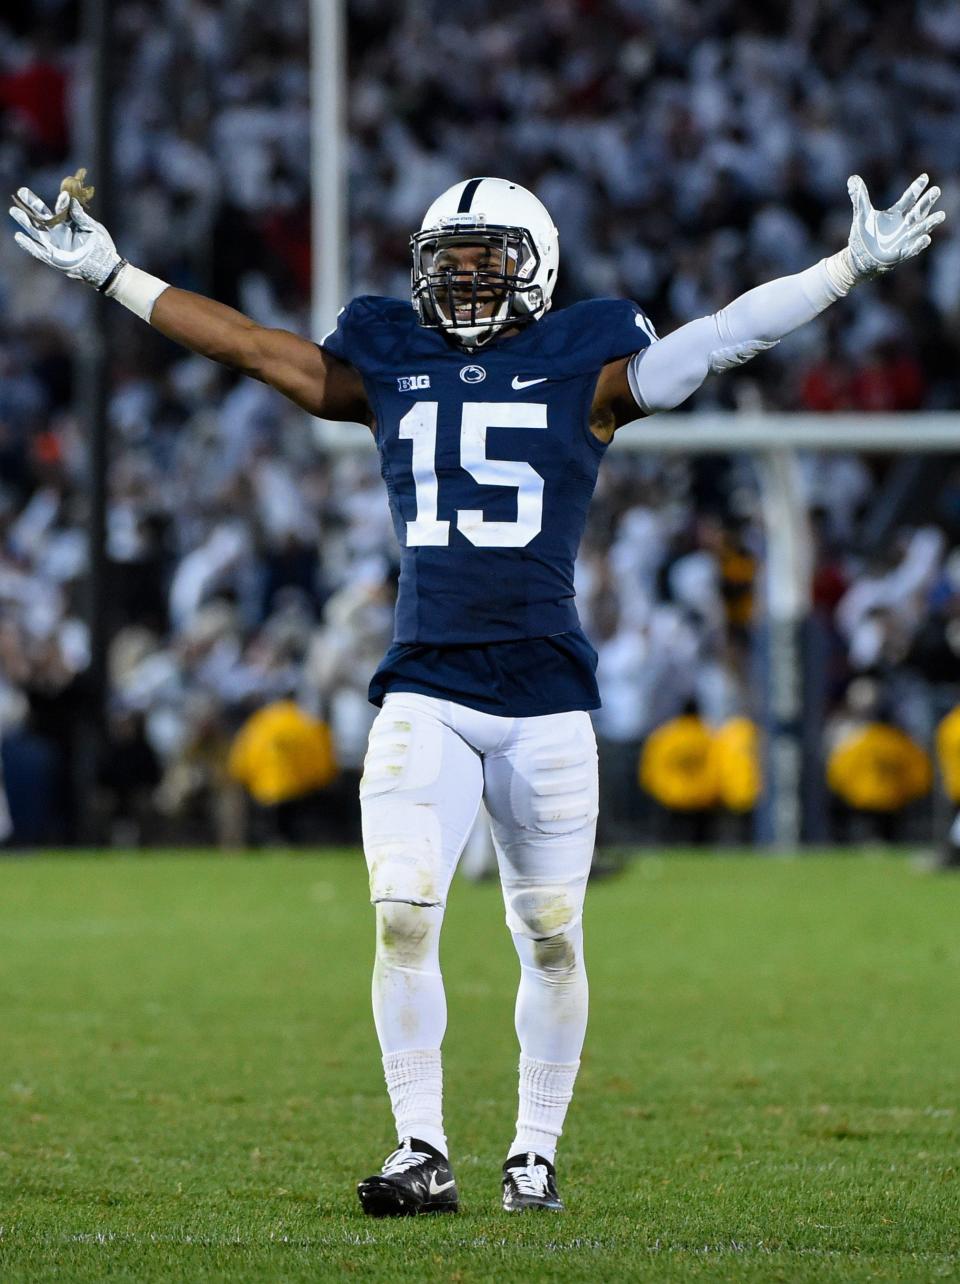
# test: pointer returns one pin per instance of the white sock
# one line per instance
(415, 1084)
(546, 1089)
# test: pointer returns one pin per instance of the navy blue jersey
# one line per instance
(489, 464)
(511, 679)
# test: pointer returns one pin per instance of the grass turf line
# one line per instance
(191, 1085)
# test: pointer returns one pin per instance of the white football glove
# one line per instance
(80, 246)
(880, 239)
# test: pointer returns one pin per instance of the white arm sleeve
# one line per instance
(666, 373)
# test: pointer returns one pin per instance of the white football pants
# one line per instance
(428, 765)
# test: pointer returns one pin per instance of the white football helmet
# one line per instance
(514, 278)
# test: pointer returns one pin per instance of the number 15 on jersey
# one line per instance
(419, 425)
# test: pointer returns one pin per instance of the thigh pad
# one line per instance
(419, 796)
(546, 780)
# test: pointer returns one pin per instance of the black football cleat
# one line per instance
(415, 1179)
(530, 1181)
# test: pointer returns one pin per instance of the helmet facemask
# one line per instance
(473, 304)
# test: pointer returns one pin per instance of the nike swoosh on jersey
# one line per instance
(517, 383)
(435, 1189)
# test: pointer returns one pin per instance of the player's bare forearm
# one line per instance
(207, 327)
(70, 240)
(310, 377)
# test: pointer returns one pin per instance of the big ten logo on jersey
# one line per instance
(412, 383)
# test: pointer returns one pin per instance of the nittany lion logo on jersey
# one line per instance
(473, 374)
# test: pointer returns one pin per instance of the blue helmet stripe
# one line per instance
(466, 197)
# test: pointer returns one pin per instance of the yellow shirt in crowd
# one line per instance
(281, 753)
(879, 768)
(687, 766)
(948, 753)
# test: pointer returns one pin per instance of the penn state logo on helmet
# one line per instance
(485, 259)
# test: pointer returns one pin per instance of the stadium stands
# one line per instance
(687, 152)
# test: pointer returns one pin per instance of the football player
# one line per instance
(491, 415)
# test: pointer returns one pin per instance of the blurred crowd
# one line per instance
(687, 152)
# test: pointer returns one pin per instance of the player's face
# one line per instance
(461, 261)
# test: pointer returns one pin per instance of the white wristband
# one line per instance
(136, 290)
(841, 270)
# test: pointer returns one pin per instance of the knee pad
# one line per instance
(405, 867)
(544, 913)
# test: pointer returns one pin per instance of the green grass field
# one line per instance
(190, 1083)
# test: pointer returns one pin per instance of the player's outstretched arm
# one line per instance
(314, 379)
(666, 373)
(83, 249)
